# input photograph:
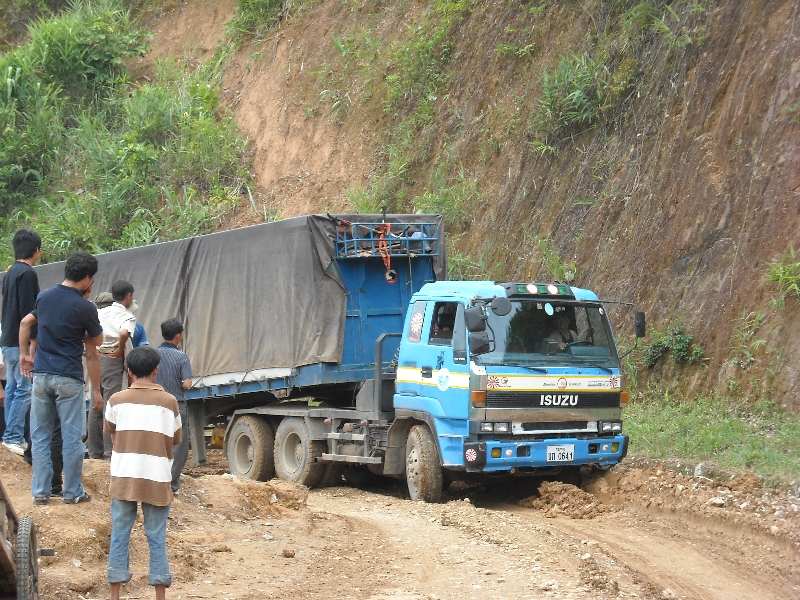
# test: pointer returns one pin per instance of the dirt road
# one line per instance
(634, 532)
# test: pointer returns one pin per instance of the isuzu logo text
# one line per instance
(558, 399)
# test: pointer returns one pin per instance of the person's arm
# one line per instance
(123, 339)
(91, 342)
(93, 366)
(27, 292)
(26, 348)
(186, 374)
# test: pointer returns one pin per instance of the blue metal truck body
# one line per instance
(465, 377)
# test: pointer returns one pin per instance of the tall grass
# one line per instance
(758, 436)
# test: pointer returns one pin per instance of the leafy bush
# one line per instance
(84, 49)
(679, 344)
(133, 165)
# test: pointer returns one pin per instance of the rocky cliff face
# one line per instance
(676, 200)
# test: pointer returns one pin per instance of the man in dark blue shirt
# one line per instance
(20, 288)
(175, 375)
(66, 322)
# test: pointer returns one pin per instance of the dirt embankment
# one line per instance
(677, 203)
(636, 531)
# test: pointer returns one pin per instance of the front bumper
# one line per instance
(478, 456)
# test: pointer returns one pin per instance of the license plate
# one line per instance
(563, 453)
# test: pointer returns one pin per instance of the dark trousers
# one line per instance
(56, 455)
(181, 451)
(111, 373)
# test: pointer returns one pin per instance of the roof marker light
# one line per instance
(552, 289)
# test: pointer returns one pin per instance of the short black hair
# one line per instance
(26, 242)
(80, 265)
(120, 289)
(170, 328)
(143, 360)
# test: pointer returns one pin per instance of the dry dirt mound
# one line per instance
(741, 501)
(562, 499)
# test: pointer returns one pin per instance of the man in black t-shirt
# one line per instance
(20, 288)
(66, 322)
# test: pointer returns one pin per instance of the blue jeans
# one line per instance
(57, 395)
(18, 397)
(123, 515)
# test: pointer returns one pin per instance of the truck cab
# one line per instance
(485, 366)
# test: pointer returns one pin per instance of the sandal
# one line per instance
(85, 498)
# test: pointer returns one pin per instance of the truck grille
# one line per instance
(496, 399)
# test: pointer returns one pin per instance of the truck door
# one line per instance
(444, 376)
(409, 365)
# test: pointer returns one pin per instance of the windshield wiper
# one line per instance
(539, 369)
(600, 367)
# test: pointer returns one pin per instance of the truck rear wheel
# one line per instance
(296, 453)
(250, 447)
(423, 468)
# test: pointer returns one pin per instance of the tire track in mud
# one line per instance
(570, 545)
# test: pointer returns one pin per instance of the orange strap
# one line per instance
(382, 231)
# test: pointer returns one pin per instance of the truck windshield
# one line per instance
(541, 334)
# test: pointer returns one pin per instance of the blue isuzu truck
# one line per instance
(324, 345)
(436, 378)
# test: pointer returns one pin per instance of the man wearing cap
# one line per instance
(118, 324)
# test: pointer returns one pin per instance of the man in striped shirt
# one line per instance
(144, 423)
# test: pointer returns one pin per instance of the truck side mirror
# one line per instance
(479, 342)
(474, 319)
(501, 306)
(639, 324)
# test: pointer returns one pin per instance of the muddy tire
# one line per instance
(25, 558)
(250, 448)
(423, 468)
(296, 453)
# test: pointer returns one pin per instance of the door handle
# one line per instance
(427, 372)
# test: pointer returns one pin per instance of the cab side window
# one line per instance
(417, 319)
(442, 323)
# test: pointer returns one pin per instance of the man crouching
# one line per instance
(144, 423)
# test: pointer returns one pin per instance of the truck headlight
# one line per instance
(501, 427)
(609, 427)
(487, 426)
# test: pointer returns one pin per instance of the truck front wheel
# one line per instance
(250, 444)
(423, 469)
(296, 453)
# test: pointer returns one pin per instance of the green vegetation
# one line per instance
(759, 436)
(254, 17)
(463, 267)
(561, 270)
(743, 352)
(679, 344)
(95, 163)
(785, 274)
(572, 94)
